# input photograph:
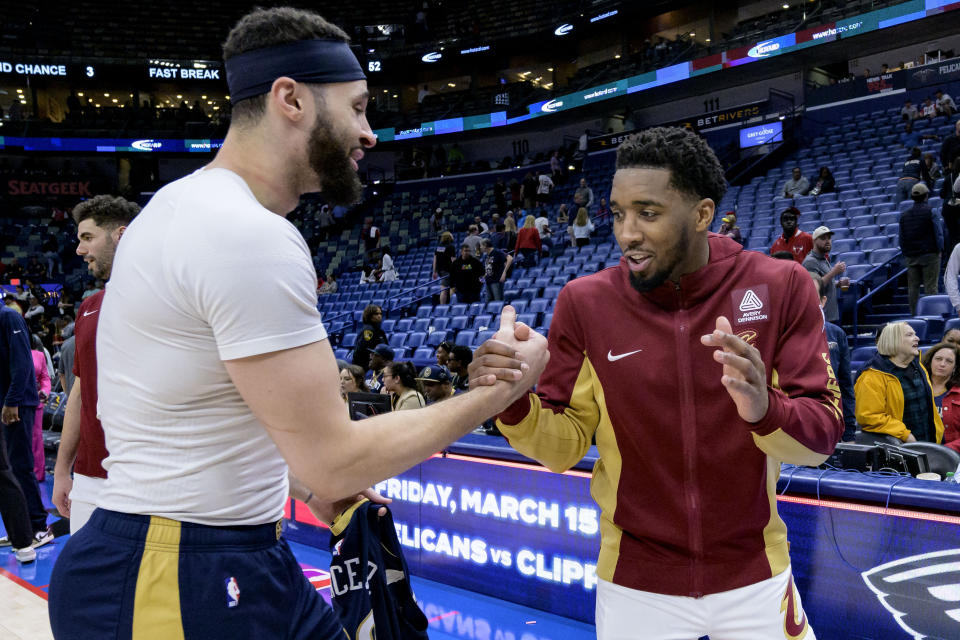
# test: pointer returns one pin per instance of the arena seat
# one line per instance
(466, 337)
(920, 326)
(435, 338)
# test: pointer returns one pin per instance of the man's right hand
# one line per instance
(516, 356)
(62, 486)
(9, 415)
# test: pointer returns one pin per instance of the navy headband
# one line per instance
(252, 73)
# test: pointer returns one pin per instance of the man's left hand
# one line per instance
(326, 512)
(744, 374)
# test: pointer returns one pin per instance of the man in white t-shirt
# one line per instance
(544, 188)
(205, 400)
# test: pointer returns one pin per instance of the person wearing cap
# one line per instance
(379, 357)
(921, 241)
(817, 263)
(436, 383)
(797, 242)
(187, 540)
(729, 228)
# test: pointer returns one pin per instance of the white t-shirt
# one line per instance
(546, 184)
(542, 223)
(204, 274)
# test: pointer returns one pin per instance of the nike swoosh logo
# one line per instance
(88, 313)
(613, 358)
(18, 330)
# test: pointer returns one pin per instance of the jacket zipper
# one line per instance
(689, 439)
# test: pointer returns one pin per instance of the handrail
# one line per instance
(873, 291)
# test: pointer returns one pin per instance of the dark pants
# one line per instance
(925, 268)
(494, 291)
(19, 437)
(13, 506)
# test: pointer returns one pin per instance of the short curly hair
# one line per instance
(694, 168)
(107, 212)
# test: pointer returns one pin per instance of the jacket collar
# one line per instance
(695, 287)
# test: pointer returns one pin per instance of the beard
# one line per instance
(674, 256)
(339, 183)
(103, 265)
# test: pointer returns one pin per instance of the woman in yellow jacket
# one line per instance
(399, 380)
(893, 393)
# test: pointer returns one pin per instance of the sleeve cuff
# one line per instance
(516, 412)
(775, 414)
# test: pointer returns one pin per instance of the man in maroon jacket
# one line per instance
(699, 368)
(101, 222)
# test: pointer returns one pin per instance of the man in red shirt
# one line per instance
(101, 222)
(797, 242)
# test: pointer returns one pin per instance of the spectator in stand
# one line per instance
(371, 235)
(351, 381)
(437, 220)
(546, 233)
(529, 191)
(498, 237)
(817, 263)
(556, 168)
(912, 172)
(43, 392)
(583, 196)
(603, 211)
(443, 257)
(839, 349)
(581, 229)
(910, 138)
(563, 215)
(330, 286)
(379, 357)
(798, 243)
(496, 265)
(35, 311)
(371, 335)
(952, 337)
(22, 295)
(945, 104)
(940, 361)
(466, 276)
(825, 182)
(949, 149)
(893, 391)
(528, 242)
(400, 381)
(460, 358)
(443, 352)
(921, 241)
(909, 112)
(34, 270)
(509, 233)
(729, 228)
(544, 188)
(798, 185)
(436, 383)
(388, 272)
(481, 225)
(516, 194)
(929, 109)
(473, 240)
(934, 170)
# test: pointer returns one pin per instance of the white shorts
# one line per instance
(766, 610)
(83, 499)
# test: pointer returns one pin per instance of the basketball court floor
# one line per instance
(453, 613)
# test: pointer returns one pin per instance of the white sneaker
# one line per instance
(5, 541)
(41, 538)
(25, 555)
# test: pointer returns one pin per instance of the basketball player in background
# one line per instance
(101, 222)
(206, 399)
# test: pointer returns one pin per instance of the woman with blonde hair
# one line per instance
(581, 229)
(528, 242)
(893, 392)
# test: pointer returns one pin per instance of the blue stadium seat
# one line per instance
(520, 305)
(551, 293)
(404, 325)
(889, 217)
(422, 324)
(399, 353)
(892, 230)
(425, 311)
(475, 309)
(483, 336)
(874, 242)
(844, 244)
(866, 231)
(482, 321)
(935, 305)
(494, 307)
(547, 318)
(415, 339)
(529, 319)
(349, 340)
(952, 323)
(467, 337)
(855, 212)
(885, 207)
(439, 324)
(458, 310)
(423, 356)
(852, 257)
(341, 353)
(397, 339)
(539, 305)
(857, 271)
(861, 220)
(437, 337)
(882, 255)
(861, 355)
(459, 322)
(530, 294)
(441, 311)
(388, 325)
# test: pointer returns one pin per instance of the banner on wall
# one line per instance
(858, 88)
(933, 74)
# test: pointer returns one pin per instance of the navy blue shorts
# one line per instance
(129, 576)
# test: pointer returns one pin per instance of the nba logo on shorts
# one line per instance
(233, 592)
